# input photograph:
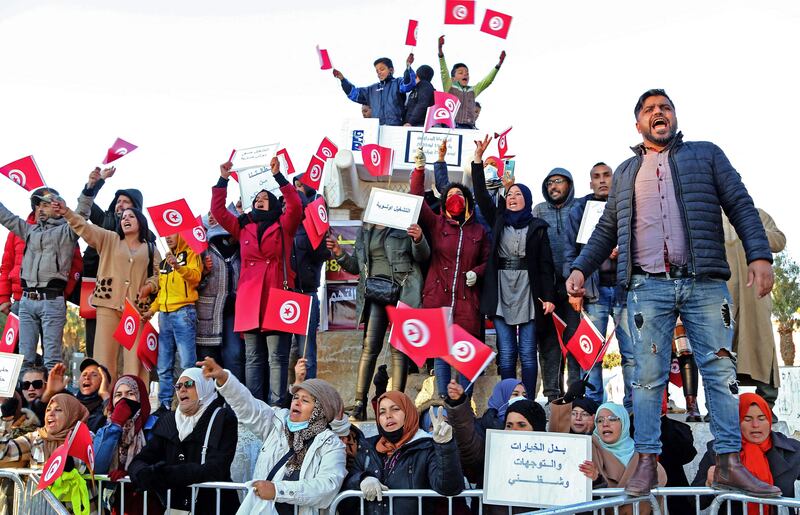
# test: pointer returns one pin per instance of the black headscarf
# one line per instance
(523, 217)
(264, 218)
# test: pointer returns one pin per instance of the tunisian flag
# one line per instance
(313, 175)
(147, 349)
(587, 345)
(459, 12)
(128, 326)
(468, 355)
(196, 238)
(287, 311)
(560, 326)
(172, 217)
(324, 59)
(327, 149)
(502, 143)
(496, 24)
(54, 466)
(10, 334)
(283, 154)
(420, 333)
(443, 111)
(378, 160)
(411, 33)
(24, 172)
(118, 149)
(87, 311)
(79, 445)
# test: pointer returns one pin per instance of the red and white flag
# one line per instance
(283, 156)
(79, 445)
(468, 355)
(119, 149)
(318, 212)
(324, 59)
(196, 237)
(24, 172)
(560, 326)
(378, 160)
(502, 143)
(420, 333)
(128, 326)
(587, 345)
(54, 467)
(10, 334)
(172, 218)
(459, 12)
(87, 310)
(496, 24)
(675, 376)
(147, 349)
(287, 311)
(411, 33)
(311, 230)
(313, 176)
(327, 149)
(443, 111)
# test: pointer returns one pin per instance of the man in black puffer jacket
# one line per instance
(664, 213)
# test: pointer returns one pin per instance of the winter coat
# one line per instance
(307, 261)
(420, 99)
(181, 460)
(10, 285)
(752, 333)
(419, 464)
(387, 98)
(556, 218)
(537, 253)
(704, 181)
(177, 287)
(617, 475)
(466, 94)
(323, 467)
(784, 463)
(106, 443)
(455, 250)
(49, 247)
(404, 257)
(217, 293)
(262, 261)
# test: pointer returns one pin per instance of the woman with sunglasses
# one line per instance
(194, 444)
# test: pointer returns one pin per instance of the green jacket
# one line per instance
(466, 94)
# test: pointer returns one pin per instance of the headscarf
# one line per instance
(521, 218)
(264, 218)
(73, 410)
(586, 404)
(410, 426)
(468, 201)
(754, 455)
(132, 440)
(206, 394)
(623, 447)
(531, 410)
(500, 395)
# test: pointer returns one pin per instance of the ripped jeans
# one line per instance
(704, 307)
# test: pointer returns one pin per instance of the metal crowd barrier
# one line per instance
(391, 494)
(26, 499)
(728, 497)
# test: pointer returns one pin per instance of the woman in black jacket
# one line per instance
(177, 454)
(519, 282)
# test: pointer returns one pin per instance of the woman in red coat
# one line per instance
(265, 242)
(459, 252)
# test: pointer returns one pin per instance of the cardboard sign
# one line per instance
(10, 365)
(253, 157)
(254, 180)
(430, 143)
(536, 469)
(392, 209)
(591, 215)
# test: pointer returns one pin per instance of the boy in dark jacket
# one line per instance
(420, 99)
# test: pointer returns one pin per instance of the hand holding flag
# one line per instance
(128, 326)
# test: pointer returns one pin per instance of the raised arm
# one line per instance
(447, 81)
(219, 195)
(483, 84)
(427, 218)
(482, 197)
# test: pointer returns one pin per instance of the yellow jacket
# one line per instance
(178, 287)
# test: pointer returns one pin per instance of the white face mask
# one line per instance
(512, 400)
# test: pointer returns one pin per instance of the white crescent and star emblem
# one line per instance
(463, 351)
(459, 12)
(152, 341)
(199, 233)
(416, 332)
(375, 157)
(322, 213)
(10, 335)
(586, 344)
(53, 468)
(441, 114)
(315, 173)
(496, 23)
(130, 325)
(172, 218)
(18, 176)
(290, 312)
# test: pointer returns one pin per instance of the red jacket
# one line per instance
(262, 265)
(447, 237)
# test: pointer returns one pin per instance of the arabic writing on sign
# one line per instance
(430, 143)
(541, 464)
(539, 480)
(536, 447)
(390, 208)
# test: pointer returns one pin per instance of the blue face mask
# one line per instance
(512, 400)
(490, 172)
(294, 427)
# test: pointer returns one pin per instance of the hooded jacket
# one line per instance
(178, 287)
(466, 94)
(387, 98)
(556, 218)
(306, 260)
(217, 290)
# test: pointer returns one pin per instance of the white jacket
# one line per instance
(323, 468)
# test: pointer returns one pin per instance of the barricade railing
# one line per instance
(391, 494)
(27, 499)
(730, 497)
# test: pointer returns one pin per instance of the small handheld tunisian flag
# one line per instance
(324, 59)
(10, 334)
(378, 160)
(411, 33)
(54, 466)
(87, 310)
(283, 156)
(196, 238)
(24, 172)
(496, 24)
(420, 333)
(459, 12)
(560, 326)
(313, 175)
(502, 143)
(675, 376)
(327, 149)
(587, 345)
(287, 311)
(79, 445)
(443, 111)
(318, 213)
(147, 349)
(468, 355)
(172, 217)
(128, 326)
(118, 149)
(311, 230)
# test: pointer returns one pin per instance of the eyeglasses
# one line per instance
(610, 418)
(36, 384)
(580, 414)
(550, 182)
(188, 384)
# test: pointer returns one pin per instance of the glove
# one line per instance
(123, 411)
(381, 380)
(116, 475)
(472, 278)
(577, 390)
(149, 477)
(442, 431)
(372, 488)
(419, 158)
(9, 407)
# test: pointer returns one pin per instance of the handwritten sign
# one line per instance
(535, 469)
(254, 180)
(254, 157)
(392, 209)
(430, 143)
(591, 215)
(787, 405)
(10, 365)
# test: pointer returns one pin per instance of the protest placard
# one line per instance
(430, 143)
(536, 469)
(392, 209)
(591, 215)
(10, 365)
(254, 180)
(254, 157)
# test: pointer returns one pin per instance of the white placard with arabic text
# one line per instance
(529, 468)
(10, 365)
(254, 180)
(392, 209)
(591, 215)
(254, 157)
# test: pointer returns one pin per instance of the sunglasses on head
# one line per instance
(38, 383)
(188, 384)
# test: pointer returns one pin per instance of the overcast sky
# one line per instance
(188, 81)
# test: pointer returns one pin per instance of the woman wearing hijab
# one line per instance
(403, 456)
(265, 240)
(194, 444)
(519, 283)
(459, 250)
(769, 455)
(302, 461)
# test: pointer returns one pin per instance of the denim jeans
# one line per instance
(47, 316)
(444, 373)
(704, 307)
(178, 330)
(267, 362)
(298, 342)
(517, 340)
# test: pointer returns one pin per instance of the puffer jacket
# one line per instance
(704, 181)
(323, 467)
(10, 286)
(177, 287)
(387, 98)
(556, 218)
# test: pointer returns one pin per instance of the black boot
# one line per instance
(730, 474)
(692, 412)
(359, 412)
